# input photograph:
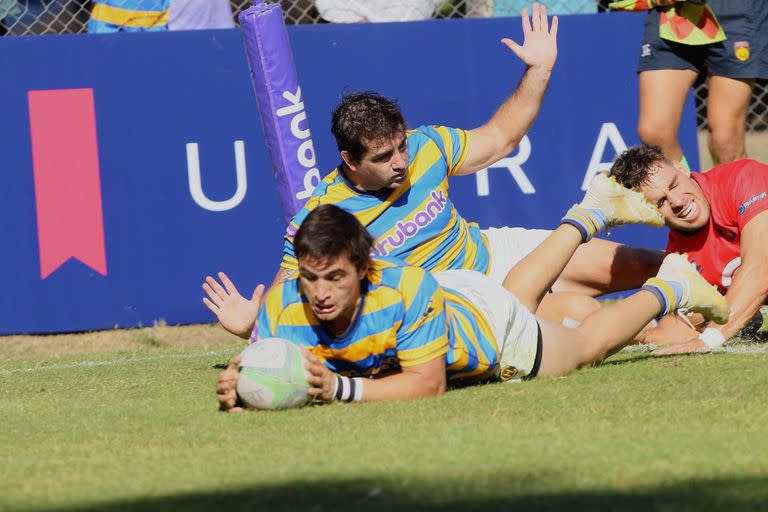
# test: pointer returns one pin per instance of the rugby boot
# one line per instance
(619, 204)
(679, 286)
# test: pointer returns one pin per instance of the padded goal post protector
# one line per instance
(278, 95)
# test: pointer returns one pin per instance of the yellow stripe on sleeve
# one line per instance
(298, 314)
(289, 263)
(410, 282)
(375, 344)
(128, 17)
(464, 140)
(274, 305)
(445, 136)
(425, 353)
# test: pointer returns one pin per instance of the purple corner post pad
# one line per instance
(278, 94)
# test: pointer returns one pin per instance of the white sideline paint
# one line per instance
(734, 349)
(741, 348)
(113, 362)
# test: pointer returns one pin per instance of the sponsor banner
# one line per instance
(135, 164)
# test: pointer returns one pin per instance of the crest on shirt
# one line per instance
(508, 373)
(741, 49)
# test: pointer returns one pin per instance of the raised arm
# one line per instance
(500, 136)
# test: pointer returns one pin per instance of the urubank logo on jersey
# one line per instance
(750, 202)
(410, 228)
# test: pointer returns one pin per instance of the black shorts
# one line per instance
(745, 23)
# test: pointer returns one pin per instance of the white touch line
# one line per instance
(751, 348)
(112, 362)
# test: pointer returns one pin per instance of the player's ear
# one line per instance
(362, 272)
(681, 168)
(351, 165)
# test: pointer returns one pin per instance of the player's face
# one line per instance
(679, 199)
(383, 165)
(333, 288)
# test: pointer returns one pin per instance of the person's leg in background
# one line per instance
(666, 73)
(727, 105)
(662, 96)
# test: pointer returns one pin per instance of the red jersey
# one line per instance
(736, 192)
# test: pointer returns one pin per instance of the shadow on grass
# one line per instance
(634, 358)
(695, 495)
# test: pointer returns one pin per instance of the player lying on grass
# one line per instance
(719, 219)
(395, 181)
(379, 317)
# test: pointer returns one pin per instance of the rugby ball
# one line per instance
(272, 375)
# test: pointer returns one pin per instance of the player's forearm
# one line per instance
(514, 118)
(746, 294)
(501, 135)
(403, 385)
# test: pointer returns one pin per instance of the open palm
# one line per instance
(235, 313)
(539, 48)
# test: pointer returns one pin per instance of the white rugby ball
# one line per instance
(272, 375)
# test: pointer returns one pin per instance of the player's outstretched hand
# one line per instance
(687, 347)
(235, 313)
(539, 49)
(321, 379)
(226, 387)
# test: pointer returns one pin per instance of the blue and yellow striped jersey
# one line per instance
(109, 16)
(416, 222)
(405, 319)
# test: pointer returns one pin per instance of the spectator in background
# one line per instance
(354, 11)
(513, 7)
(478, 8)
(668, 70)
(200, 14)
(110, 16)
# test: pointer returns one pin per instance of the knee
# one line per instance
(726, 143)
(655, 132)
(574, 306)
(581, 307)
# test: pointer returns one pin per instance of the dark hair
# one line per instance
(365, 116)
(328, 232)
(633, 166)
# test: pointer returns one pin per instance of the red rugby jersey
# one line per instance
(736, 192)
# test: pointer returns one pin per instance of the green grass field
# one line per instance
(134, 426)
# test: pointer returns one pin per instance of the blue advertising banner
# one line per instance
(134, 164)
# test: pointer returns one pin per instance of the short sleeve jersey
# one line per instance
(417, 222)
(736, 193)
(404, 319)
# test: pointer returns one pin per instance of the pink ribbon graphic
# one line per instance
(65, 159)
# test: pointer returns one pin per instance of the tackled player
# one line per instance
(720, 219)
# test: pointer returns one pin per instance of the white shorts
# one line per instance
(514, 326)
(510, 245)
